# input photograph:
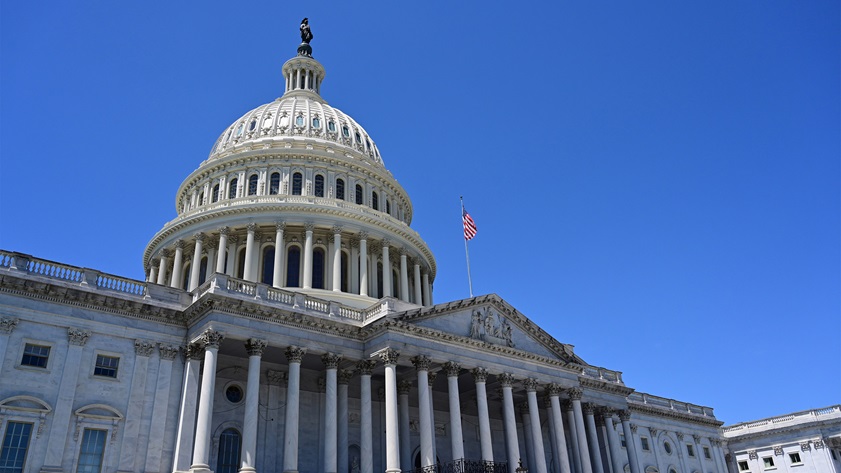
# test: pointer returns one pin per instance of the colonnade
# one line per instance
(351, 262)
(563, 415)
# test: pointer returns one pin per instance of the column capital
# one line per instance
(200, 237)
(679, 435)
(653, 431)
(566, 405)
(431, 377)
(224, 231)
(389, 356)
(634, 428)
(546, 401)
(345, 376)
(77, 336)
(193, 351)
(233, 239)
(554, 389)
(403, 387)
(255, 346)
(506, 380)
(295, 354)
(606, 412)
(155, 262)
(421, 362)
(575, 393)
(144, 348)
(530, 385)
(211, 338)
(8, 324)
(480, 375)
(362, 235)
(166, 253)
(524, 407)
(179, 244)
(309, 227)
(337, 229)
(589, 408)
(696, 438)
(276, 377)
(251, 227)
(385, 243)
(167, 352)
(280, 226)
(452, 368)
(322, 384)
(331, 360)
(365, 367)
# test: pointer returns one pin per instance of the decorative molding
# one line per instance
(818, 443)
(77, 336)
(575, 393)
(679, 435)
(778, 450)
(431, 376)
(805, 446)
(554, 389)
(345, 376)
(624, 415)
(276, 377)
(144, 348)
(634, 428)
(389, 356)
(489, 326)
(589, 408)
(167, 352)
(211, 339)
(403, 387)
(193, 351)
(752, 454)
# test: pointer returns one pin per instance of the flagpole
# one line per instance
(466, 253)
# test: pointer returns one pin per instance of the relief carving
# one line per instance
(490, 327)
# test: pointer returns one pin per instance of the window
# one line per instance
(768, 462)
(297, 183)
(92, 451)
(233, 393)
(252, 185)
(644, 443)
(318, 268)
(299, 120)
(15, 445)
(274, 183)
(340, 189)
(690, 450)
(795, 458)
(268, 265)
(358, 194)
(707, 453)
(230, 446)
(215, 196)
(293, 267)
(358, 138)
(316, 123)
(667, 447)
(319, 185)
(375, 201)
(201, 199)
(35, 355)
(345, 131)
(331, 126)
(232, 189)
(387, 207)
(106, 366)
(239, 130)
(622, 441)
(203, 271)
(252, 125)
(743, 466)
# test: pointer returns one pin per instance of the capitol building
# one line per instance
(288, 323)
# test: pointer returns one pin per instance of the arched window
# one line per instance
(185, 277)
(214, 197)
(319, 185)
(201, 199)
(340, 189)
(268, 265)
(232, 189)
(293, 267)
(359, 198)
(379, 280)
(203, 271)
(345, 269)
(274, 183)
(230, 446)
(297, 183)
(395, 283)
(331, 126)
(241, 264)
(252, 185)
(387, 207)
(375, 201)
(318, 268)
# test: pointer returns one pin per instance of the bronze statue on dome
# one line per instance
(306, 36)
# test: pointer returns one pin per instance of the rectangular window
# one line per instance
(690, 450)
(795, 458)
(622, 440)
(769, 462)
(644, 443)
(106, 366)
(35, 355)
(92, 451)
(743, 466)
(707, 453)
(15, 445)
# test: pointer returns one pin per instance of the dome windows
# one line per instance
(316, 122)
(340, 189)
(345, 131)
(252, 184)
(214, 197)
(375, 201)
(252, 125)
(331, 126)
(359, 198)
(267, 122)
(299, 120)
(319, 185)
(358, 138)
(274, 183)
(239, 130)
(232, 189)
(297, 183)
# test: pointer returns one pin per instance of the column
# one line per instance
(337, 258)
(162, 269)
(255, 348)
(223, 246)
(7, 325)
(294, 355)
(575, 396)
(554, 391)
(427, 291)
(187, 413)
(403, 388)
(417, 282)
(248, 270)
(625, 417)
(527, 434)
(566, 405)
(331, 425)
(512, 445)
(195, 268)
(211, 259)
(480, 376)
(374, 277)
(272, 434)
(431, 378)
(552, 463)
(404, 277)
(392, 454)
(593, 438)
(64, 404)
(698, 451)
(613, 441)
(536, 432)
(308, 256)
(366, 432)
(175, 281)
(720, 464)
(363, 264)
(131, 435)
(201, 447)
(422, 366)
(386, 270)
(232, 255)
(328, 263)
(353, 280)
(342, 415)
(279, 253)
(452, 370)
(153, 270)
(160, 408)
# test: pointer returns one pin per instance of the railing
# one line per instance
(118, 284)
(671, 404)
(603, 374)
(795, 418)
(465, 466)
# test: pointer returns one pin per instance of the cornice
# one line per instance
(799, 428)
(710, 421)
(604, 386)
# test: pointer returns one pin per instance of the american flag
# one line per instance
(469, 225)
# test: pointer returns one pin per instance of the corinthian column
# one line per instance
(162, 268)
(593, 437)
(366, 436)
(417, 282)
(255, 348)
(293, 392)
(279, 253)
(201, 448)
(363, 263)
(575, 396)
(512, 445)
(456, 437)
(403, 388)
(223, 246)
(536, 432)
(342, 414)
(195, 268)
(625, 417)
(337, 258)
(175, 281)
(422, 366)
(392, 449)
(554, 391)
(248, 270)
(480, 376)
(386, 270)
(331, 362)
(612, 440)
(404, 276)
(187, 412)
(308, 256)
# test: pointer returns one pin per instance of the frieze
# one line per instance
(673, 414)
(490, 327)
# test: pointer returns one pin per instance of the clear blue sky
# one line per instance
(654, 182)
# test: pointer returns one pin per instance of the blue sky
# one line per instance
(657, 183)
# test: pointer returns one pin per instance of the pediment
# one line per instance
(491, 320)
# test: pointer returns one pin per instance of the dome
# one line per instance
(294, 195)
